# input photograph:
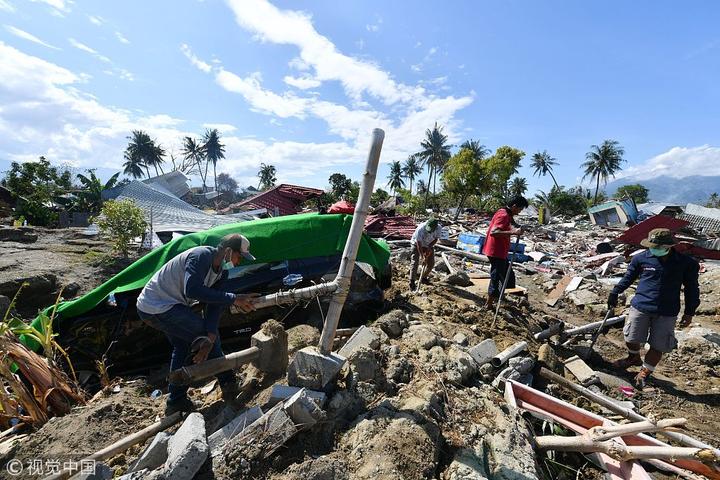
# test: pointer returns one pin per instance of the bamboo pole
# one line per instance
(347, 263)
(122, 444)
(615, 408)
(593, 326)
(603, 433)
(622, 452)
(185, 375)
(462, 253)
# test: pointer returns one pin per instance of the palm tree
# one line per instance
(479, 151)
(603, 162)
(517, 187)
(543, 163)
(133, 165)
(435, 153)
(395, 179)
(156, 157)
(140, 151)
(267, 176)
(421, 187)
(193, 151)
(214, 150)
(411, 169)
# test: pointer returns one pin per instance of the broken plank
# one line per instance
(558, 291)
(574, 284)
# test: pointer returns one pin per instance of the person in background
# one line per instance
(165, 304)
(422, 242)
(654, 309)
(497, 246)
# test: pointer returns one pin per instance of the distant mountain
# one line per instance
(693, 189)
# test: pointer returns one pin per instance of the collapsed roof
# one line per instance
(165, 211)
(283, 199)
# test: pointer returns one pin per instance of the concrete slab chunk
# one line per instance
(272, 341)
(266, 434)
(585, 375)
(303, 410)
(217, 440)
(154, 455)
(484, 351)
(281, 393)
(187, 449)
(363, 337)
(313, 370)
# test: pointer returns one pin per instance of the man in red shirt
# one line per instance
(497, 247)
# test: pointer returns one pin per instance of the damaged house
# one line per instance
(614, 213)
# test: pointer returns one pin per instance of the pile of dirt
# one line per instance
(125, 408)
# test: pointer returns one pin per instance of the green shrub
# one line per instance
(121, 220)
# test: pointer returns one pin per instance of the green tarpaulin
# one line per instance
(271, 240)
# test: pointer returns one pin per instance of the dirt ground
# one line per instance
(415, 407)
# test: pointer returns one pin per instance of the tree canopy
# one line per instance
(636, 191)
(603, 162)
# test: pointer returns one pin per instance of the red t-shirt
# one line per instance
(498, 247)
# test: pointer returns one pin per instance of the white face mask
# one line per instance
(227, 264)
(659, 252)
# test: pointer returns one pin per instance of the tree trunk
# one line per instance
(207, 164)
(427, 189)
(597, 188)
(462, 201)
(411, 183)
(215, 174)
(156, 170)
(553, 177)
(147, 169)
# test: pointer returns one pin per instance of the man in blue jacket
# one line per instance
(654, 309)
(166, 304)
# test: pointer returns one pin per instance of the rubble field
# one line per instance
(414, 401)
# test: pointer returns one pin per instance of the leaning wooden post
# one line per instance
(347, 263)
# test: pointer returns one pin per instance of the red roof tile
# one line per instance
(287, 198)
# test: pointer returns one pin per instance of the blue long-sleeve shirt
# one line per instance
(658, 290)
(184, 280)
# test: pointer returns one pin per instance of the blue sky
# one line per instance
(300, 85)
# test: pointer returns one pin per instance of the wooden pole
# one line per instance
(347, 263)
(622, 452)
(462, 253)
(122, 444)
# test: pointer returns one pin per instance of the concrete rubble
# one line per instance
(415, 394)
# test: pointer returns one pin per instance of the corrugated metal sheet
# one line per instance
(700, 211)
(174, 182)
(702, 224)
(287, 198)
(169, 213)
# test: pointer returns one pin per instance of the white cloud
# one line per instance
(678, 162)
(91, 51)
(6, 6)
(43, 112)
(28, 36)
(121, 38)
(290, 27)
(302, 83)
(205, 67)
(372, 28)
(221, 127)
(58, 6)
(96, 20)
(261, 100)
